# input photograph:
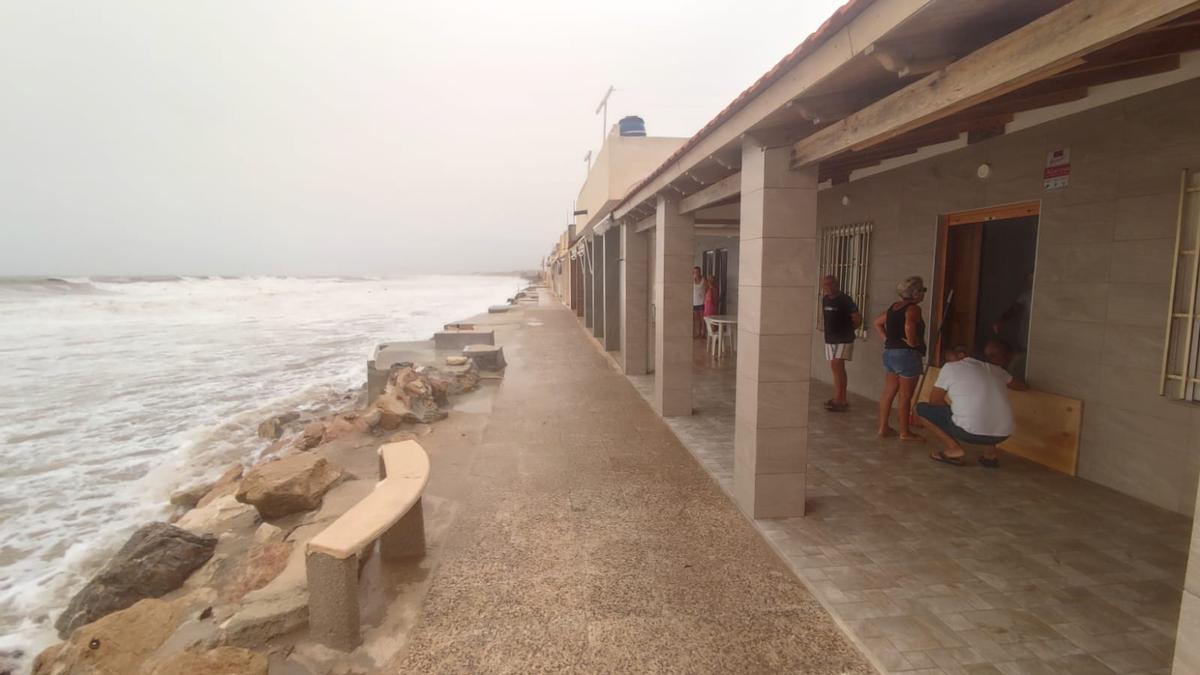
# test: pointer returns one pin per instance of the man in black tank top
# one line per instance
(841, 319)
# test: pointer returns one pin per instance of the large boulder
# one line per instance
(288, 485)
(263, 563)
(311, 437)
(261, 619)
(117, 644)
(155, 560)
(219, 661)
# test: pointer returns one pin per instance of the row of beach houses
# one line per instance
(1034, 160)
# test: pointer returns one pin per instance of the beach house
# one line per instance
(1028, 158)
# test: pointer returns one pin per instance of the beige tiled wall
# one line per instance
(1103, 267)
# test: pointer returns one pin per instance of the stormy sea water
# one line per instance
(114, 392)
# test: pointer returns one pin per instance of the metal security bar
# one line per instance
(846, 254)
(1181, 362)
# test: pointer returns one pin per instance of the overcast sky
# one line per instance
(303, 137)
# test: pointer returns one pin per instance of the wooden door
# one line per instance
(964, 246)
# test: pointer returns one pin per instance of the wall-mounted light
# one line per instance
(845, 200)
(984, 170)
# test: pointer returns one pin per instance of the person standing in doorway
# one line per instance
(903, 331)
(697, 303)
(842, 319)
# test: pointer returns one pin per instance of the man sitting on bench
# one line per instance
(978, 412)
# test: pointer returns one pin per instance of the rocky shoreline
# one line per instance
(221, 588)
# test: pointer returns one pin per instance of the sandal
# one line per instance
(838, 407)
(830, 403)
(992, 463)
(940, 456)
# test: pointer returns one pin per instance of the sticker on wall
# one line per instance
(1058, 169)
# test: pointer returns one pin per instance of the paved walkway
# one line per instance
(585, 538)
(939, 570)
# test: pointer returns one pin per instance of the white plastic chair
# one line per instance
(714, 336)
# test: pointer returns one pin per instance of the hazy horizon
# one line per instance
(314, 139)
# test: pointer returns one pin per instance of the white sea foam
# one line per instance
(114, 392)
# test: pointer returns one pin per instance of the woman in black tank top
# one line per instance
(902, 329)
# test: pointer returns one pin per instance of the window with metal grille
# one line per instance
(1181, 348)
(846, 254)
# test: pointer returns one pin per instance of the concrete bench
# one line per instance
(391, 515)
(459, 338)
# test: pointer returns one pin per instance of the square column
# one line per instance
(673, 308)
(586, 267)
(777, 295)
(1187, 636)
(635, 305)
(598, 286)
(612, 289)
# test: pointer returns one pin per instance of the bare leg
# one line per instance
(891, 385)
(908, 387)
(953, 449)
(838, 366)
(991, 452)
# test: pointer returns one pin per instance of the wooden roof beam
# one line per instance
(722, 190)
(906, 66)
(1044, 47)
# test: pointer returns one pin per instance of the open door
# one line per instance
(986, 259)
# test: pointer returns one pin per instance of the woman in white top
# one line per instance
(698, 289)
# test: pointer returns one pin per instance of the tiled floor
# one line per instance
(934, 569)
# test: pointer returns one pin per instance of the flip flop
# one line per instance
(838, 408)
(993, 463)
(829, 403)
(940, 456)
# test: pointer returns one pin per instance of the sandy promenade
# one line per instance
(580, 536)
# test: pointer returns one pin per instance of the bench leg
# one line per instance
(407, 537)
(333, 601)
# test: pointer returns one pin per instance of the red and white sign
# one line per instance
(1058, 169)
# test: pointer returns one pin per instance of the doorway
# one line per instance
(984, 280)
(715, 263)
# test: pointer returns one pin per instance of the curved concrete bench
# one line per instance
(391, 515)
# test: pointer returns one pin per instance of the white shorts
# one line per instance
(844, 351)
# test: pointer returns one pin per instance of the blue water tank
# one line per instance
(632, 126)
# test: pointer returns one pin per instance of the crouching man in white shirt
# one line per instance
(978, 411)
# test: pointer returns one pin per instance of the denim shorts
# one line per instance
(902, 362)
(943, 418)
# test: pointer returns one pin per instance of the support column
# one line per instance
(635, 311)
(333, 601)
(673, 308)
(598, 286)
(612, 289)
(587, 284)
(1187, 636)
(776, 286)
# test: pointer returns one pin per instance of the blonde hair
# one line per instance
(909, 288)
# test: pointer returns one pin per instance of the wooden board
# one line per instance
(1048, 426)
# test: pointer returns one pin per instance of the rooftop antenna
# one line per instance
(604, 106)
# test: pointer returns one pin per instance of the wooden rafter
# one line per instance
(1043, 48)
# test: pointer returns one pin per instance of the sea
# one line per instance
(114, 392)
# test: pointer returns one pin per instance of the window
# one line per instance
(1181, 352)
(845, 253)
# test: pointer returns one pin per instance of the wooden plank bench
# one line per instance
(391, 515)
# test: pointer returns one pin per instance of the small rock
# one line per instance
(221, 515)
(311, 437)
(189, 497)
(219, 661)
(225, 485)
(257, 622)
(155, 560)
(270, 429)
(372, 418)
(288, 485)
(267, 533)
